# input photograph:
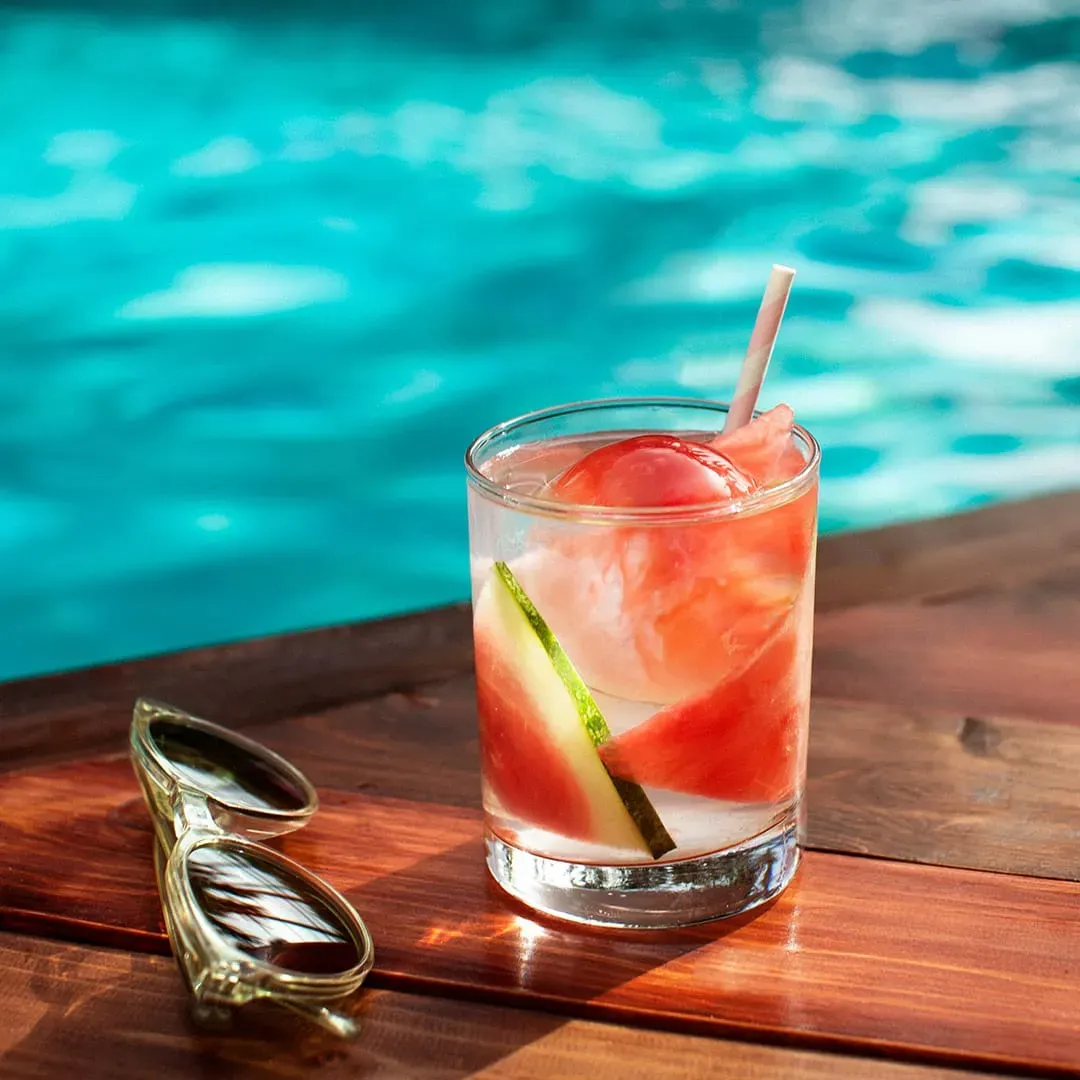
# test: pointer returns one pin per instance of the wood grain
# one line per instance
(950, 789)
(994, 547)
(116, 1013)
(78, 713)
(962, 789)
(945, 788)
(420, 745)
(1011, 652)
(945, 641)
(978, 613)
(859, 954)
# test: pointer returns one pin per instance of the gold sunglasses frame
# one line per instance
(219, 975)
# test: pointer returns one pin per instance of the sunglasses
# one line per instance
(245, 922)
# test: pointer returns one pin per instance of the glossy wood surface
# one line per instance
(78, 713)
(1012, 652)
(117, 1013)
(946, 559)
(936, 787)
(978, 613)
(948, 788)
(857, 953)
(944, 736)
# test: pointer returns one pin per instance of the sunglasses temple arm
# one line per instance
(344, 1027)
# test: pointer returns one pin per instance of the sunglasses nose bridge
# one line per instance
(192, 813)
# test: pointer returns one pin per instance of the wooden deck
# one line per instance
(933, 930)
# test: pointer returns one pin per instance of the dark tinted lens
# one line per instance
(268, 912)
(226, 771)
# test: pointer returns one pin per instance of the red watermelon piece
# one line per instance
(738, 742)
(666, 614)
(652, 470)
(520, 763)
(539, 731)
(764, 448)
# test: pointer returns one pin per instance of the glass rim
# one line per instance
(759, 501)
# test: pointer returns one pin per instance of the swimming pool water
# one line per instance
(264, 274)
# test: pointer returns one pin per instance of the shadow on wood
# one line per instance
(112, 1013)
(858, 954)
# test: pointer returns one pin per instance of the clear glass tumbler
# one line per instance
(643, 675)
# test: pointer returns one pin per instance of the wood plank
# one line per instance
(997, 546)
(118, 1012)
(948, 789)
(944, 788)
(1012, 652)
(860, 954)
(77, 713)
(421, 745)
(73, 714)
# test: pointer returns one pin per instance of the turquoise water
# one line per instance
(263, 277)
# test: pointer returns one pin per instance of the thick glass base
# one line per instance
(656, 896)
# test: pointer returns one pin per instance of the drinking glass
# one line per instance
(643, 674)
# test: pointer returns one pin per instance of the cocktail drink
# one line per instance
(643, 612)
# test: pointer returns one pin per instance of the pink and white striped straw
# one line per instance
(760, 350)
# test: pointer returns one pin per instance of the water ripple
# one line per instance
(251, 314)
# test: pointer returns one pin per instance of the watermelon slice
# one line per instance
(665, 614)
(763, 448)
(652, 470)
(540, 729)
(739, 742)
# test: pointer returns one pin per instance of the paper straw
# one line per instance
(760, 350)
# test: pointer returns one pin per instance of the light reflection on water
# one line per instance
(253, 313)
